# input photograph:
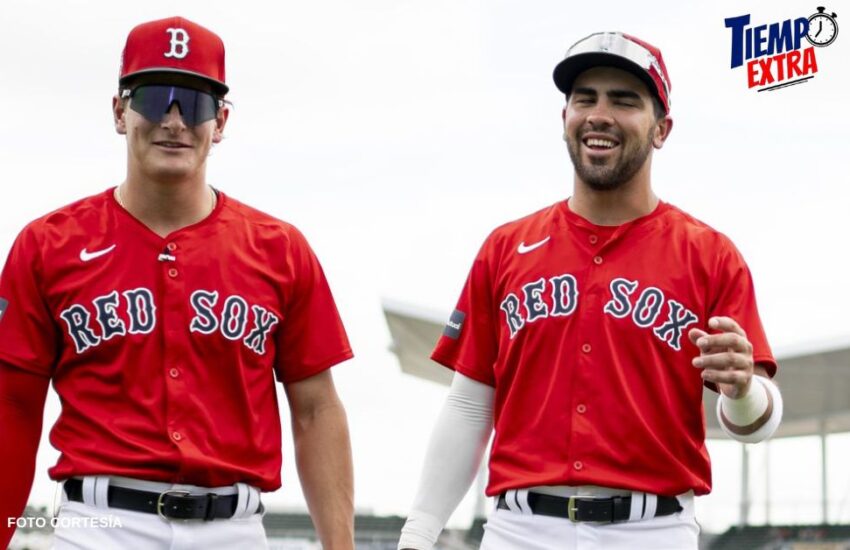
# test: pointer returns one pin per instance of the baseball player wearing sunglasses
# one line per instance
(163, 310)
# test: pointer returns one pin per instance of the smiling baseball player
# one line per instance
(583, 338)
(163, 310)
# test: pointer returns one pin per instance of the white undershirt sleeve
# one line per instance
(454, 453)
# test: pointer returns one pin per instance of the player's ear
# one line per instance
(663, 127)
(564, 120)
(220, 122)
(119, 107)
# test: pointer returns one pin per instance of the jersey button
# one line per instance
(172, 272)
(174, 373)
(593, 239)
(578, 465)
(581, 408)
(597, 260)
(586, 348)
(171, 247)
(176, 436)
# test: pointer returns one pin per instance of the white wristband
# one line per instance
(746, 410)
(749, 409)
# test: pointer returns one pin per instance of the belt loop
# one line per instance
(241, 501)
(101, 492)
(253, 501)
(248, 502)
(510, 500)
(211, 499)
(522, 501)
(88, 491)
(651, 505)
(636, 511)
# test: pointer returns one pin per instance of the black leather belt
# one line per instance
(172, 504)
(608, 509)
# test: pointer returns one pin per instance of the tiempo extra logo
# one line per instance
(780, 54)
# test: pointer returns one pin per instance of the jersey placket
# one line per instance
(174, 353)
(585, 410)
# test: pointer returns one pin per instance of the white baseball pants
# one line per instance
(92, 525)
(520, 530)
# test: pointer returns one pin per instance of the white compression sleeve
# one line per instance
(749, 408)
(451, 463)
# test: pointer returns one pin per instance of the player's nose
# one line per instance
(599, 115)
(599, 123)
(173, 119)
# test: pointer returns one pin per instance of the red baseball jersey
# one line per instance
(162, 349)
(582, 331)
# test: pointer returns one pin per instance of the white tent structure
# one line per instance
(815, 384)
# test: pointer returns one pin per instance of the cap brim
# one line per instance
(567, 70)
(219, 87)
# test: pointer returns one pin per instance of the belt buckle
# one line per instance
(160, 504)
(572, 508)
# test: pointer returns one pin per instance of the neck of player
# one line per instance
(165, 207)
(631, 200)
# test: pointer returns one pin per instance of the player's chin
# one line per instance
(172, 171)
(600, 165)
(603, 179)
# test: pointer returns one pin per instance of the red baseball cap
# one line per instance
(616, 49)
(174, 45)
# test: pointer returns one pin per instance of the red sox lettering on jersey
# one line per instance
(563, 290)
(582, 331)
(231, 319)
(165, 350)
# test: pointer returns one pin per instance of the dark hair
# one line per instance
(658, 108)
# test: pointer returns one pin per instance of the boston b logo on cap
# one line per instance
(174, 45)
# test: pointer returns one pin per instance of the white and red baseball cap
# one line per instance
(174, 45)
(616, 49)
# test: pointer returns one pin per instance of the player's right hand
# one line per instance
(726, 358)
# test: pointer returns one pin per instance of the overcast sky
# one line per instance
(396, 134)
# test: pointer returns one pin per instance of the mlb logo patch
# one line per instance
(3, 305)
(454, 324)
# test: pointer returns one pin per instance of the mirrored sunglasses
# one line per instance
(153, 101)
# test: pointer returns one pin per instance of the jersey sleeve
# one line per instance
(469, 343)
(734, 296)
(28, 335)
(311, 337)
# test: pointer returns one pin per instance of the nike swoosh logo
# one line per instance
(524, 249)
(87, 256)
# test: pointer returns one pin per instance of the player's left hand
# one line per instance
(726, 358)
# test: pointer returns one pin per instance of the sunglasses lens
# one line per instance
(153, 102)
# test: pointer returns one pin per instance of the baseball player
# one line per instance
(583, 338)
(163, 310)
